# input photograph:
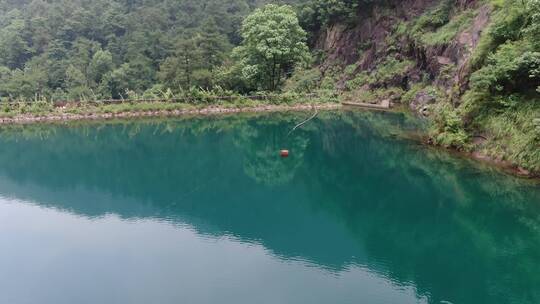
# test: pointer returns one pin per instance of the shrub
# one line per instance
(433, 19)
(448, 129)
(446, 33)
(330, 78)
(350, 69)
(412, 92)
(391, 68)
(386, 71)
(512, 67)
(514, 135)
(303, 81)
(359, 80)
(158, 91)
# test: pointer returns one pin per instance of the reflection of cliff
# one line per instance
(353, 192)
(429, 218)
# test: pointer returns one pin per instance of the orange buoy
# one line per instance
(284, 153)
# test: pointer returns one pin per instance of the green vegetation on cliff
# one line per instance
(504, 96)
(472, 67)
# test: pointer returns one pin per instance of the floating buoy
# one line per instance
(284, 153)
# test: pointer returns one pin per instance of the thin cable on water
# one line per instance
(304, 122)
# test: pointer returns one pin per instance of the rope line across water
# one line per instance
(304, 122)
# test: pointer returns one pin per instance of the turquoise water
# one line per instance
(203, 210)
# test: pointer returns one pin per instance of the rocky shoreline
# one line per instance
(505, 165)
(479, 156)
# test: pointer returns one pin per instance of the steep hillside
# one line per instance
(472, 67)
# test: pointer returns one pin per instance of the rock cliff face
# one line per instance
(374, 24)
(393, 32)
(467, 64)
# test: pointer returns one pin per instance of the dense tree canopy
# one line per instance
(273, 43)
(76, 49)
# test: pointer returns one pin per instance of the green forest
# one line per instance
(75, 49)
(106, 49)
(471, 66)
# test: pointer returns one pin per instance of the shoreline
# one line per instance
(504, 165)
(481, 158)
(28, 119)
(210, 110)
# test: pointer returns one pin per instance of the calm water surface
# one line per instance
(203, 210)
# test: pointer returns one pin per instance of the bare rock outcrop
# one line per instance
(372, 40)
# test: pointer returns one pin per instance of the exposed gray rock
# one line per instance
(421, 102)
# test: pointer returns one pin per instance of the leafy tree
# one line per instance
(100, 65)
(273, 43)
(76, 83)
(14, 49)
(212, 45)
(177, 70)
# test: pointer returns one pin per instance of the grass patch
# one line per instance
(47, 108)
(436, 26)
(513, 135)
(386, 71)
(434, 18)
(446, 33)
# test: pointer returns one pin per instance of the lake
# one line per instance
(204, 210)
